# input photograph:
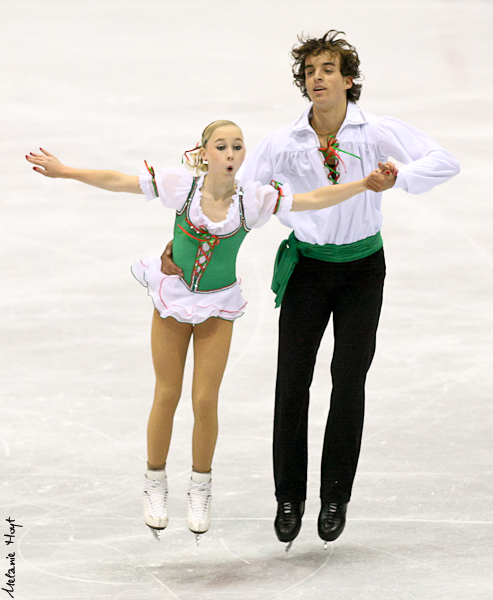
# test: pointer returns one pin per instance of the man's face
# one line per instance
(325, 84)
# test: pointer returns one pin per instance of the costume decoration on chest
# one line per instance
(152, 173)
(278, 186)
(207, 242)
(331, 153)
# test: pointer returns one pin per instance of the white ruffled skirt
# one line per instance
(172, 298)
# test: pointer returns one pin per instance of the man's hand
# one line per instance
(168, 267)
(383, 178)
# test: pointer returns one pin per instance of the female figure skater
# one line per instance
(213, 215)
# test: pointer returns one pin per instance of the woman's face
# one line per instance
(225, 151)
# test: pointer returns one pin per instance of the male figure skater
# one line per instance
(332, 264)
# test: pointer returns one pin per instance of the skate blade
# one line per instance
(197, 538)
(156, 533)
(326, 545)
(288, 546)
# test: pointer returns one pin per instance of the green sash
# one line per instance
(289, 252)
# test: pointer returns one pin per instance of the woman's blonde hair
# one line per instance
(193, 158)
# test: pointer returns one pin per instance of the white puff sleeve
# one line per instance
(263, 201)
(426, 163)
(259, 164)
(171, 185)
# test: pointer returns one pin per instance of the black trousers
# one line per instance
(352, 293)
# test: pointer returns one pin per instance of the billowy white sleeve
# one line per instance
(426, 163)
(259, 165)
(262, 201)
(170, 184)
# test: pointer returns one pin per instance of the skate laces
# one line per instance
(199, 495)
(288, 514)
(156, 493)
(330, 511)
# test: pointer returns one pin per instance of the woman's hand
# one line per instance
(383, 178)
(113, 181)
(168, 267)
(388, 168)
(48, 165)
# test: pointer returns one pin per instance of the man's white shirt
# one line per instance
(291, 155)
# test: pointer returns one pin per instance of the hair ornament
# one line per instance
(185, 154)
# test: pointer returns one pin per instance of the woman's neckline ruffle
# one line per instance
(232, 210)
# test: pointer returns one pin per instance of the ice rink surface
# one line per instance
(108, 83)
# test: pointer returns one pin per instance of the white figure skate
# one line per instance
(199, 505)
(156, 502)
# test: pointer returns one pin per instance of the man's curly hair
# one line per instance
(328, 43)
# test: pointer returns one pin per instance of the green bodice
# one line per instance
(208, 261)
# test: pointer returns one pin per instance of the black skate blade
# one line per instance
(288, 546)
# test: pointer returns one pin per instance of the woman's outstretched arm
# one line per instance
(379, 180)
(49, 166)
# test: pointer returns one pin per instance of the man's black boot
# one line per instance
(331, 520)
(288, 520)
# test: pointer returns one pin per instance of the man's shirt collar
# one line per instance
(354, 116)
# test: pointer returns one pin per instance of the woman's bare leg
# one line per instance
(169, 342)
(211, 343)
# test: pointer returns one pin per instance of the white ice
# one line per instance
(109, 83)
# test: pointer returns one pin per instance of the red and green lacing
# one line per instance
(204, 252)
(331, 152)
